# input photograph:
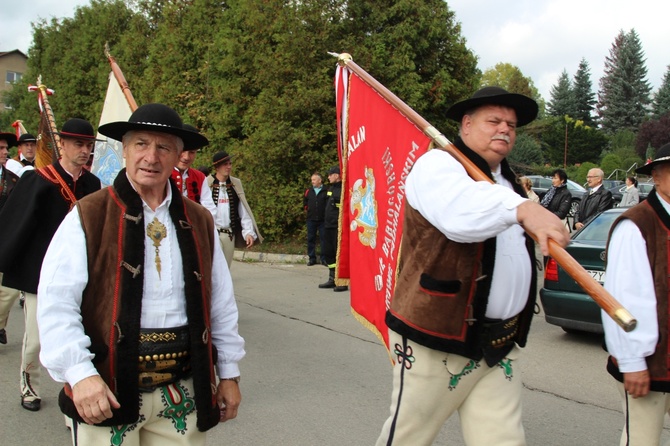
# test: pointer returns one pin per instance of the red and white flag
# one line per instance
(378, 146)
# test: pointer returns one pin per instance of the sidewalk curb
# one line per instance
(252, 256)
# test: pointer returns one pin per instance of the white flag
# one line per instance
(108, 159)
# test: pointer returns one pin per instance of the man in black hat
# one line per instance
(28, 221)
(7, 182)
(331, 221)
(136, 312)
(637, 274)
(27, 145)
(465, 293)
(234, 220)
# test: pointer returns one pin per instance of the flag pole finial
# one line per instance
(342, 58)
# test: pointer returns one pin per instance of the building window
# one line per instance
(13, 76)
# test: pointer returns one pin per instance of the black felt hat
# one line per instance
(221, 157)
(194, 129)
(155, 118)
(9, 137)
(525, 107)
(26, 137)
(662, 156)
(78, 129)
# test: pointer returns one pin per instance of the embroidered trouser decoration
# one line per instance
(506, 366)
(178, 405)
(119, 432)
(455, 379)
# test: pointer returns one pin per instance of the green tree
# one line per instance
(624, 89)
(584, 143)
(610, 163)
(661, 105)
(562, 100)
(527, 152)
(511, 78)
(584, 97)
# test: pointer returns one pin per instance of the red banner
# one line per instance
(378, 147)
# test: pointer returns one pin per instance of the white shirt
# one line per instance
(630, 281)
(222, 218)
(469, 211)
(17, 167)
(64, 276)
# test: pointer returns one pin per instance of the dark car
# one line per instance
(564, 302)
(542, 184)
(643, 188)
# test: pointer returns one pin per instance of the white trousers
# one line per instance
(228, 247)
(7, 298)
(429, 386)
(167, 418)
(30, 352)
(643, 417)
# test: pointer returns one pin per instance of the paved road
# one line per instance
(315, 376)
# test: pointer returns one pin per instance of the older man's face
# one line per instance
(150, 159)
(4, 152)
(594, 178)
(491, 132)
(661, 176)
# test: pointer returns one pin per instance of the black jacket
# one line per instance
(29, 219)
(315, 204)
(561, 202)
(332, 214)
(593, 204)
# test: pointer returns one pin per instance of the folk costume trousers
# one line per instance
(643, 417)
(30, 352)
(228, 247)
(7, 298)
(167, 418)
(429, 386)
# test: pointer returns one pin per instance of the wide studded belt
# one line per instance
(164, 357)
(497, 338)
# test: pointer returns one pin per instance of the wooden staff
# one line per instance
(120, 78)
(599, 294)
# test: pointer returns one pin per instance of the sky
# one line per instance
(541, 37)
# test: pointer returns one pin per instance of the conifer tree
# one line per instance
(584, 97)
(661, 104)
(624, 89)
(562, 100)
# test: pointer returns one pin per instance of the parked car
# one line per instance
(609, 184)
(643, 188)
(564, 302)
(542, 184)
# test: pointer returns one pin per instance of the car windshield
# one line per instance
(598, 229)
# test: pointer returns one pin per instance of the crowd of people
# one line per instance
(129, 290)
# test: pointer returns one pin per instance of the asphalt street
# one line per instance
(314, 376)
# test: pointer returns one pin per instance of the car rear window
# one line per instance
(599, 228)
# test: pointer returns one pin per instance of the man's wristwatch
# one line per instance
(236, 379)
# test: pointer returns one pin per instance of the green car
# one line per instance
(564, 302)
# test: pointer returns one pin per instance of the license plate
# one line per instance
(598, 275)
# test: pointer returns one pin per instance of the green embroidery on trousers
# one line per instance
(177, 405)
(118, 433)
(506, 365)
(455, 379)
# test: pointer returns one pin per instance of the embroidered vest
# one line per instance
(192, 185)
(443, 286)
(111, 305)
